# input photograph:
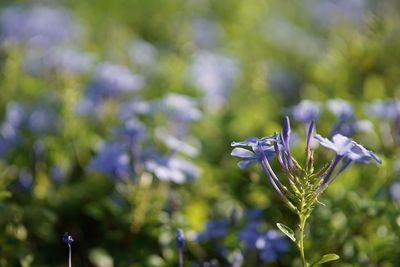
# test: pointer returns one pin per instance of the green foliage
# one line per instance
(286, 52)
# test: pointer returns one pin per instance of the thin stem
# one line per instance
(69, 256)
(180, 258)
(303, 220)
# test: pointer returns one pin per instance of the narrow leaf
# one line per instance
(287, 231)
(327, 258)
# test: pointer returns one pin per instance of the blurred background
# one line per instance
(116, 119)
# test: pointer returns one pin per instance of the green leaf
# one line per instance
(287, 231)
(327, 258)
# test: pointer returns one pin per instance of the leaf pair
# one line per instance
(289, 233)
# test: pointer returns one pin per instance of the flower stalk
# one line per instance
(68, 240)
(304, 184)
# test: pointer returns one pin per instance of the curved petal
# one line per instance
(342, 144)
(325, 142)
(361, 154)
(242, 153)
(245, 163)
(251, 141)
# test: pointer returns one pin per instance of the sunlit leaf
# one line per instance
(287, 231)
(327, 258)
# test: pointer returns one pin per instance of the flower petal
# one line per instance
(245, 163)
(251, 141)
(242, 153)
(342, 144)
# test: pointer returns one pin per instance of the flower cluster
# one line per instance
(267, 244)
(264, 149)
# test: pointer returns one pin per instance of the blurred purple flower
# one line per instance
(25, 178)
(180, 239)
(394, 191)
(57, 174)
(172, 168)
(206, 33)
(214, 74)
(306, 111)
(269, 243)
(86, 106)
(15, 114)
(383, 108)
(132, 130)
(66, 60)
(142, 53)
(42, 119)
(39, 26)
(131, 108)
(9, 136)
(176, 144)
(214, 229)
(9, 128)
(113, 80)
(342, 109)
(112, 159)
(180, 107)
(237, 259)
(327, 12)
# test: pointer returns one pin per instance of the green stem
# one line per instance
(303, 220)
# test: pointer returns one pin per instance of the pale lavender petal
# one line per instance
(242, 153)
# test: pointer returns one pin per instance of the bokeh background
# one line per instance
(116, 119)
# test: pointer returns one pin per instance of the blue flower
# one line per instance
(214, 74)
(133, 130)
(360, 154)
(383, 108)
(306, 111)
(57, 173)
(268, 243)
(214, 229)
(253, 156)
(206, 33)
(175, 144)
(58, 59)
(43, 119)
(394, 191)
(113, 80)
(15, 114)
(180, 107)
(340, 108)
(25, 178)
(263, 150)
(171, 168)
(67, 238)
(142, 53)
(39, 26)
(180, 239)
(345, 148)
(131, 108)
(340, 144)
(112, 159)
